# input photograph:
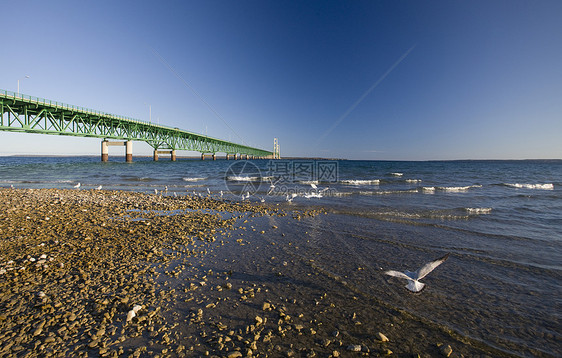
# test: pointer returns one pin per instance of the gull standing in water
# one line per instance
(77, 186)
(413, 278)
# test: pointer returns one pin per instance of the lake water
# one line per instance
(501, 222)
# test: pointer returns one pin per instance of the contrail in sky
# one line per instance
(360, 99)
(165, 63)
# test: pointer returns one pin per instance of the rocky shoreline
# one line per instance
(94, 273)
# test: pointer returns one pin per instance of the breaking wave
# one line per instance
(478, 211)
(360, 182)
(456, 189)
(193, 179)
(243, 178)
(547, 186)
(413, 180)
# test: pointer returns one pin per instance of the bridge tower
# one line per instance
(276, 149)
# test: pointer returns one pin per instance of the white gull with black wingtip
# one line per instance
(413, 278)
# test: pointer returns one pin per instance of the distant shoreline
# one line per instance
(195, 157)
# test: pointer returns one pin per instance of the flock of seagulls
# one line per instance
(78, 185)
(412, 278)
(314, 192)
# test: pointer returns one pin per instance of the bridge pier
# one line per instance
(172, 153)
(105, 149)
(129, 151)
(212, 155)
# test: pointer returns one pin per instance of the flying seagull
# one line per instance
(413, 278)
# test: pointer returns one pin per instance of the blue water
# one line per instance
(500, 220)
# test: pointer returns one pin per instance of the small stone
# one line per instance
(354, 348)
(381, 337)
(234, 354)
(259, 320)
(266, 306)
(446, 351)
(386, 351)
(38, 331)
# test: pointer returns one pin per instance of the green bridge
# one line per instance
(28, 114)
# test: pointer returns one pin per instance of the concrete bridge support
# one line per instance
(212, 155)
(128, 149)
(172, 153)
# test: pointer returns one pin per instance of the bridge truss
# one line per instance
(23, 113)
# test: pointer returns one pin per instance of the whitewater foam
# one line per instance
(457, 189)
(193, 179)
(361, 182)
(478, 211)
(242, 178)
(308, 182)
(547, 186)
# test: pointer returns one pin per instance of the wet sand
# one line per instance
(203, 277)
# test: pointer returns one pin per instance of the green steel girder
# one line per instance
(22, 113)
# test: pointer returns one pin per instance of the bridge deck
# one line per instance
(23, 113)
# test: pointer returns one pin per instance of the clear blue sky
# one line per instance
(406, 80)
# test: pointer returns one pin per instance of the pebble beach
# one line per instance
(95, 273)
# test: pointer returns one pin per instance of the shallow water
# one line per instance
(500, 220)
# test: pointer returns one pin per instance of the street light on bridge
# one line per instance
(149, 112)
(19, 82)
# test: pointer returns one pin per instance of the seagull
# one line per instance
(132, 313)
(291, 197)
(413, 278)
(99, 187)
(155, 191)
(208, 191)
(313, 186)
(221, 193)
(313, 195)
(77, 186)
(271, 186)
